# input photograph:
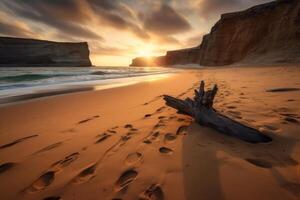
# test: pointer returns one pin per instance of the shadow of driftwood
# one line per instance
(203, 164)
(201, 167)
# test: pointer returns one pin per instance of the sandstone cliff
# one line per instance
(21, 52)
(267, 33)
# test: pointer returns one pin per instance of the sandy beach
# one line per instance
(125, 143)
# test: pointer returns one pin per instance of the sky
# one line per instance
(117, 30)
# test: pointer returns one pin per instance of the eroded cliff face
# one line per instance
(21, 52)
(267, 33)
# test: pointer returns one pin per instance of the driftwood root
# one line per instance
(201, 109)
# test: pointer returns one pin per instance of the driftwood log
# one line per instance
(201, 109)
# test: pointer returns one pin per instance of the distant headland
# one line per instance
(21, 52)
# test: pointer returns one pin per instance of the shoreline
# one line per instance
(66, 88)
(101, 84)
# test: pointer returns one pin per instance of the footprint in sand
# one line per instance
(147, 115)
(121, 142)
(84, 148)
(259, 163)
(124, 139)
(112, 131)
(128, 126)
(169, 137)
(126, 179)
(231, 107)
(53, 198)
(102, 137)
(134, 158)
(291, 120)
(182, 130)
(147, 141)
(6, 166)
(134, 129)
(283, 90)
(132, 132)
(160, 109)
(85, 175)
(154, 136)
(159, 124)
(88, 119)
(165, 150)
(59, 165)
(17, 141)
(47, 178)
(50, 147)
(154, 192)
(71, 130)
(161, 117)
(42, 182)
(151, 101)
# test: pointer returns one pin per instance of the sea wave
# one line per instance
(29, 77)
(17, 80)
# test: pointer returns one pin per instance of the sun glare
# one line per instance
(146, 51)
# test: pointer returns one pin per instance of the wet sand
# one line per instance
(124, 143)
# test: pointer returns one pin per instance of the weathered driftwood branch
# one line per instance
(201, 108)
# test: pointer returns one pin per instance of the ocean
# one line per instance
(16, 81)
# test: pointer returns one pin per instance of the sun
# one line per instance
(146, 51)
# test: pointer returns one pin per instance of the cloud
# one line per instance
(166, 20)
(77, 18)
(65, 16)
(14, 30)
(209, 8)
(111, 51)
(166, 40)
(117, 15)
(11, 27)
(213, 8)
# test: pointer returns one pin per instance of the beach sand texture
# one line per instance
(124, 143)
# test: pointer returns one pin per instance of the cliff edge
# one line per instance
(20, 52)
(266, 33)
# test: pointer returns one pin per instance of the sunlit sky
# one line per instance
(117, 31)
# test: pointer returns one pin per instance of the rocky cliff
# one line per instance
(267, 33)
(21, 52)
